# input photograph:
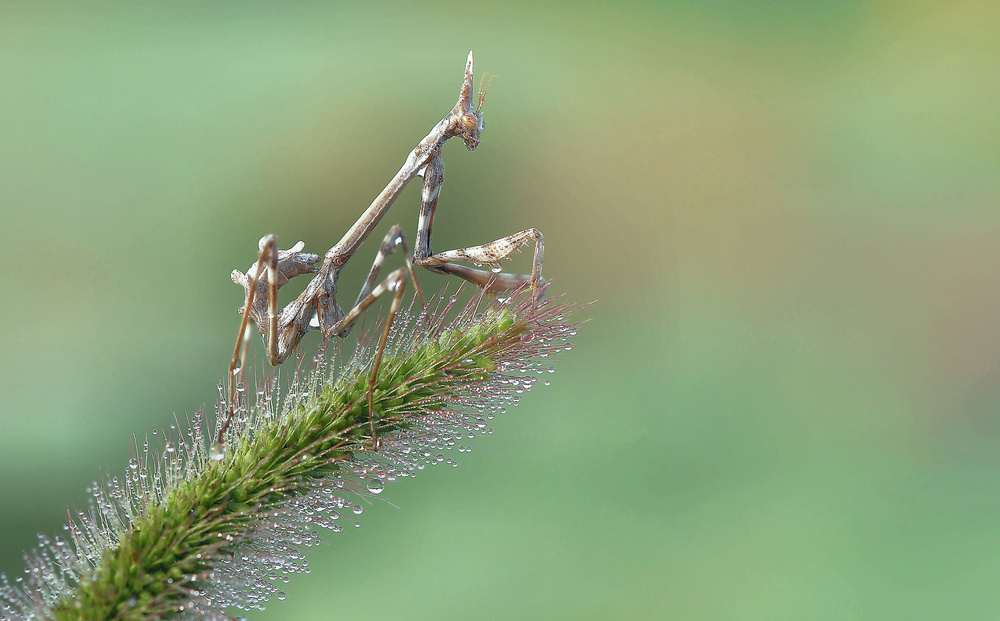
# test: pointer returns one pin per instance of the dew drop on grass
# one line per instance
(217, 452)
(376, 486)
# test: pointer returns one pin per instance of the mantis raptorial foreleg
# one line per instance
(486, 254)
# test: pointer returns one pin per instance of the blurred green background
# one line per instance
(786, 404)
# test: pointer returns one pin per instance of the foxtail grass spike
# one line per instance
(191, 528)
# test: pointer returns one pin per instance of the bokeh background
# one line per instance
(786, 404)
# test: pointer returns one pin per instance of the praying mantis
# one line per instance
(316, 308)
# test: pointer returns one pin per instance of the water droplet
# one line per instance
(236, 371)
(376, 486)
(569, 346)
(551, 369)
(169, 447)
(496, 269)
(133, 463)
(547, 383)
(358, 509)
(218, 452)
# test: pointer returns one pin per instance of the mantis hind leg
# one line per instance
(396, 283)
(267, 256)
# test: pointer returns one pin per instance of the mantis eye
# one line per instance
(471, 122)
